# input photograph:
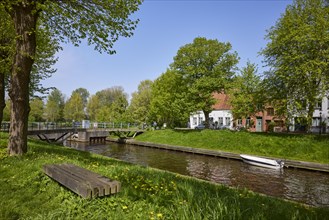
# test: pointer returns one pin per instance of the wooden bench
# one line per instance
(82, 181)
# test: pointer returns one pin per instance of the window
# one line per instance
(239, 122)
(195, 120)
(220, 121)
(200, 120)
(270, 111)
(227, 121)
(318, 105)
(328, 103)
(316, 122)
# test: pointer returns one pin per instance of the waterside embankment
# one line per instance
(292, 164)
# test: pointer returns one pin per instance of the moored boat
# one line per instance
(262, 162)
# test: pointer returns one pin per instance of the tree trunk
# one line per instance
(25, 17)
(309, 119)
(206, 115)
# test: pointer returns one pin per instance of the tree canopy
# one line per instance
(108, 105)
(298, 54)
(54, 106)
(139, 107)
(168, 100)
(46, 48)
(74, 109)
(99, 22)
(245, 91)
(206, 66)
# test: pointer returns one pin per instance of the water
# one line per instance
(307, 187)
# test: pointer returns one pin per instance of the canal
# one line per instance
(303, 186)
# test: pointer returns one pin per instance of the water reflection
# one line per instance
(304, 186)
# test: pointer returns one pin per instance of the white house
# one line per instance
(320, 116)
(220, 117)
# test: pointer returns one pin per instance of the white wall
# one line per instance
(198, 118)
(323, 112)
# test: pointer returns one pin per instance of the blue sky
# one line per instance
(164, 27)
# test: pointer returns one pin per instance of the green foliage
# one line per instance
(37, 109)
(245, 93)
(6, 41)
(44, 58)
(92, 107)
(54, 106)
(108, 105)
(146, 193)
(84, 95)
(206, 66)
(298, 53)
(73, 109)
(139, 107)
(168, 104)
(271, 126)
(6, 111)
(100, 22)
(104, 114)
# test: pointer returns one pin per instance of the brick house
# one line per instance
(262, 121)
(222, 117)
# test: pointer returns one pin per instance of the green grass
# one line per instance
(26, 193)
(313, 148)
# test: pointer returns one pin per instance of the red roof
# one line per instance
(222, 102)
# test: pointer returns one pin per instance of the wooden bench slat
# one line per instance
(95, 179)
(77, 185)
(114, 185)
(84, 182)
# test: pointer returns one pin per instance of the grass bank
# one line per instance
(312, 148)
(26, 193)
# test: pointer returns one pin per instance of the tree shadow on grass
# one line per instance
(38, 148)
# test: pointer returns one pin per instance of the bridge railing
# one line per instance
(5, 126)
(111, 125)
(32, 126)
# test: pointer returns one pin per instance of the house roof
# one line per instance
(222, 102)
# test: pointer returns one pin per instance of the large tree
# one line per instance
(6, 47)
(206, 66)
(169, 102)
(298, 54)
(44, 59)
(108, 105)
(84, 95)
(93, 107)
(245, 92)
(54, 106)
(74, 109)
(140, 102)
(101, 22)
(37, 110)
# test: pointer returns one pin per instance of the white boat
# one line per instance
(262, 162)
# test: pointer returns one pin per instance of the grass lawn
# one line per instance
(26, 193)
(313, 148)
